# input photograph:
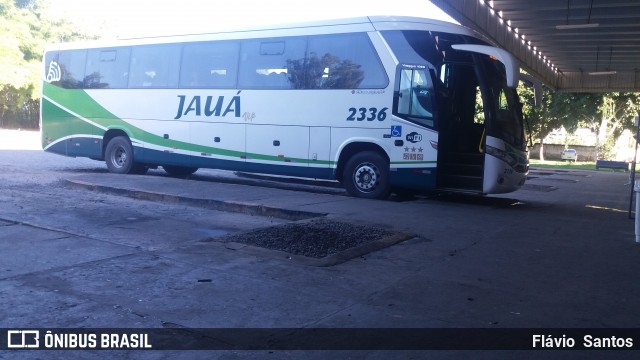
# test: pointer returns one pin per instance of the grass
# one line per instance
(568, 165)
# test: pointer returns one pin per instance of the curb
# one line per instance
(227, 206)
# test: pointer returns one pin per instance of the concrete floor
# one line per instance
(558, 254)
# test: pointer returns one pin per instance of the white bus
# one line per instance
(377, 103)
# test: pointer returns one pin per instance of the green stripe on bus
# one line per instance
(79, 102)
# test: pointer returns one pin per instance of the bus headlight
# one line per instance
(502, 155)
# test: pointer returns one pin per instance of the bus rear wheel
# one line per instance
(366, 175)
(179, 171)
(119, 157)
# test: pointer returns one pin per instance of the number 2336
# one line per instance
(369, 114)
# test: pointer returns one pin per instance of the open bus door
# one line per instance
(461, 130)
(481, 134)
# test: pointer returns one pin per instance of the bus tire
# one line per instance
(179, 171)
(119, 157)
(366, 175)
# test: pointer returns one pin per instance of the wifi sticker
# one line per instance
(55, 73)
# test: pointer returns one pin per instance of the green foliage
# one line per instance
(555, 111)
(25, 31)
(606, 114)
(616, 111)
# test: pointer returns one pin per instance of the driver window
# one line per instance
(414, 96)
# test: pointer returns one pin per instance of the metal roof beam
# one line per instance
(613, 45)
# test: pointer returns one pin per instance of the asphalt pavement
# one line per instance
(559, 253)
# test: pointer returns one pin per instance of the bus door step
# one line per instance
(461, 181)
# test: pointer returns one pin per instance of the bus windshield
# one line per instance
(503, 105)
(457, 76)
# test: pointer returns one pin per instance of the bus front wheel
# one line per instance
(366, 175)
(119, 157)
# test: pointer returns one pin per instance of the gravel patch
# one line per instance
(316, 238)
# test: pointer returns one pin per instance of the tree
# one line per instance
(25, 30)
(551, 114)
(606, 114)
(613, 113)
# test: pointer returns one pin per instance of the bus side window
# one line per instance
(343, 61)
(66, 68)
(415, 97)
(209, 65)
(107, 68)
(404, 94)
(155, 66)
(264, 62)
(478, 117)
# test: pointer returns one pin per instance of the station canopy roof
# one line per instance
(571, 45)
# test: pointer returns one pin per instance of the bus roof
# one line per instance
(330, 26)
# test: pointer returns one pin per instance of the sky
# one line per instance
(127, 18)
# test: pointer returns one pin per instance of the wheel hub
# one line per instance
(120, 157)
(366, 177)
